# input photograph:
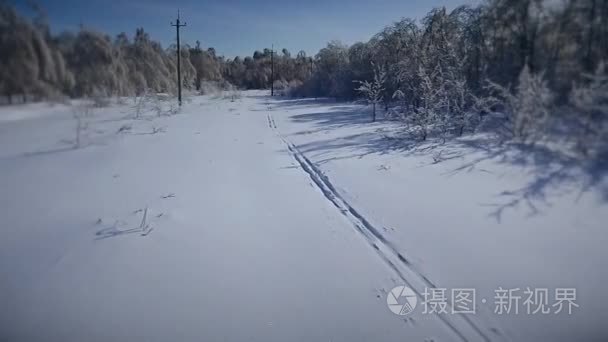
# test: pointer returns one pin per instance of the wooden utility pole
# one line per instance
(310, 67)
(177, 25)
(272, 70)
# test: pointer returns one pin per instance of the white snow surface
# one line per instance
(270, 219)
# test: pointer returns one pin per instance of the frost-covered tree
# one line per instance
(29, 63)
(530, 105)
(188, 71)
(150, 66)
(590, 103)
(527, 107)
(206, 65)
(97, 65)
(332, 71)
(373, 91)
(432, 104)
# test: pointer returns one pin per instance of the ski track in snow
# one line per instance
(461, 324)
(133, 263)
(95, 236)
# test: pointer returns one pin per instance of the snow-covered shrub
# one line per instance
(209, 87)
(100, 100)
(233, 92)
(121, 100)
(58, 98)
(173, 108)
(187, 96)
(459, 106)
(80, 113)
(280, 87)
(292, 88)
(531, 106)
(399, 111)
(157, 104)
(306, 88)
(140, 103)
(527, 108)
(432, 108)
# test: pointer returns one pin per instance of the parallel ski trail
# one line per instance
(461, 324)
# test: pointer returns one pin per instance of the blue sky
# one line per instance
(239, 27)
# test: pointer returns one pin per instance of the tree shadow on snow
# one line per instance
(286, 102)
(551, 172)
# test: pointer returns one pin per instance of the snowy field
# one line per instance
(283, 220)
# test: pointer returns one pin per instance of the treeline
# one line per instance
(494, 41)
(531, 60)
(535, 64)
(36, 65)
(563, 40)
(256, 72)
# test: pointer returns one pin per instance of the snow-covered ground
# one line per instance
(279, 220)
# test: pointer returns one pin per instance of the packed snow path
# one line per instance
(203, 226)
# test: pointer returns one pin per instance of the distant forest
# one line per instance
(35, 64)
(528, 59)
